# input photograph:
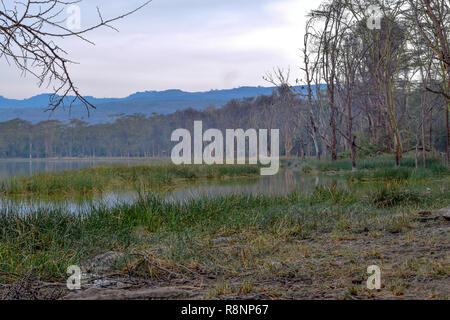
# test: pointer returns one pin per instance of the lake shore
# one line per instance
(301, 245)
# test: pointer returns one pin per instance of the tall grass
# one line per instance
(402, 173)
(391, 195)
(50, 240)
(383, 162)
(381, 168)
(100, 179)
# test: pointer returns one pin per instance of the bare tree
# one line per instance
(432, 19)
(332, 15)
(309, 68)
(29, 31)
(285, 107)
(350, 58)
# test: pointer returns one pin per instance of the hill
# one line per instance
(148, 102)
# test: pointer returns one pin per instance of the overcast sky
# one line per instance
(193, 45)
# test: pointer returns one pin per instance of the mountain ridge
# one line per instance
(146, 102)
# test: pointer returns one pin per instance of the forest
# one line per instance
(366, 90)
(287, 109)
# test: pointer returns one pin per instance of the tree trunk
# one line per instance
(448, 135)
(316, 145)
(387, 133)
(333, 134)
(302, 150)
(430, 120)
(424, 150)
(353, 153)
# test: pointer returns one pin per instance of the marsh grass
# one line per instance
(274, 238)
(390, 196)
(380, 168)
(51, 240)
(383, 162)
(402, 173)
(100, 179)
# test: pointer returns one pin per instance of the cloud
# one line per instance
(191, 45)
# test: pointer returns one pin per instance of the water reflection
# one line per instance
(286, 181)
(27, 205)
(10, 168)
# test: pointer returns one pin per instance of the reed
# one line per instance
(50, 240)
(104, 178)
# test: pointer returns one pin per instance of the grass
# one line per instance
(390, 196)
(117, 177)
(380, 168)
(290, 246)
(49, 241)
(373, 163)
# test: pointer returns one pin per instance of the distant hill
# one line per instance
(148, 102)
(37, 102)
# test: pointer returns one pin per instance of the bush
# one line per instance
(390, 196)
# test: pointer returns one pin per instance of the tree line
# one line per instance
(376, 58)
(149, 136)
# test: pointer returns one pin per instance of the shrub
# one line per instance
(390, 196)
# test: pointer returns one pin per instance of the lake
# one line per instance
(25, 167)
(286, 181)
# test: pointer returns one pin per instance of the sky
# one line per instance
(192, 45)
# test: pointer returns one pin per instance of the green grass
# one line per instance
(270, 235)
(50, 241)
(383, 162)
(103, 178)
(389, 196)
(380, 168)
(402, 173)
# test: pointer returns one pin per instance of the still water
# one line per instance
(286, 181)
(15, 168)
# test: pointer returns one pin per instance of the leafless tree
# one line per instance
(432, 20)
(29, 32)
(309, 68)
(285, 108)
(331, 14)
(348, 66)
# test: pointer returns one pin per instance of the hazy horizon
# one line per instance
(149, 90)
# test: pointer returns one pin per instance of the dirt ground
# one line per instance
(415, 264)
